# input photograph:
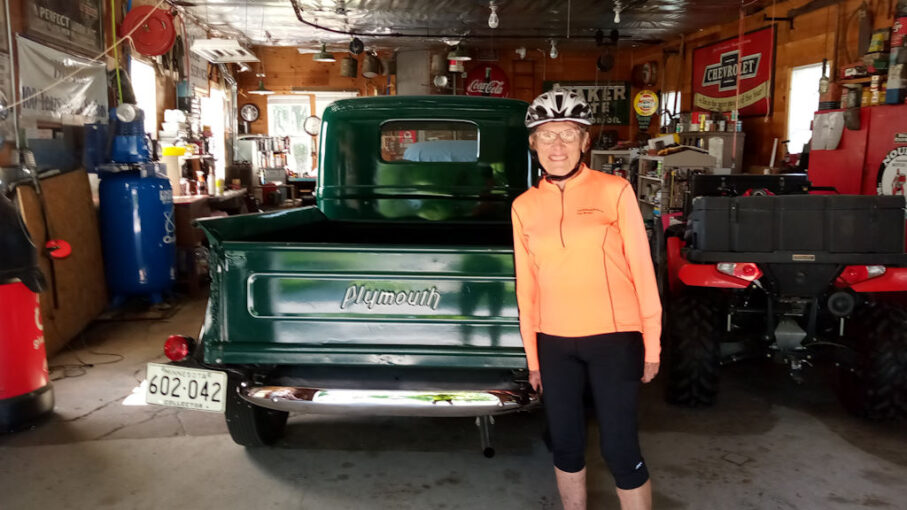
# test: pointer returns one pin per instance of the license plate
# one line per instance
(190, 388)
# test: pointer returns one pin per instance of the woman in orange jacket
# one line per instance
(590, 314)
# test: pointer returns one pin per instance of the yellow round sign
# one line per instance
(646, 103)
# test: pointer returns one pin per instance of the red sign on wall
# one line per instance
(716, 67)
(487, 80)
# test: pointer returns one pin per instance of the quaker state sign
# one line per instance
(610, 100)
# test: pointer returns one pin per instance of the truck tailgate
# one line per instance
(363, 305)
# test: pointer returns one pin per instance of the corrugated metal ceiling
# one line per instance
(420, 23)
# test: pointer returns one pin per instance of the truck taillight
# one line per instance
(178, 347)
(855, 274)
(743, 270)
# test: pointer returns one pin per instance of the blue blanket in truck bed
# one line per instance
(443, 151)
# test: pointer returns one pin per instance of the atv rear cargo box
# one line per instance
(797, 228)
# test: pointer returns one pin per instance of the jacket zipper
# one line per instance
(563, 199)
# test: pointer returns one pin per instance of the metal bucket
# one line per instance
(370, 66)
(437, 64)
(391, 66)
(348, 67)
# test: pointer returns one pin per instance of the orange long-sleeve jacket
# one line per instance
(582, 261)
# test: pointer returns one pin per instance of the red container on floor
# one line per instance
(26, 395)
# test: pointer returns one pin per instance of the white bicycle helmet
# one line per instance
(558, 105)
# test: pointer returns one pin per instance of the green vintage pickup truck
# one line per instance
(394, 296)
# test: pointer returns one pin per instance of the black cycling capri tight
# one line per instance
(612, 366)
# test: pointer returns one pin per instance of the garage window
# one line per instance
(670, 103)
(144, 83)
(804, 100)
(429, 140)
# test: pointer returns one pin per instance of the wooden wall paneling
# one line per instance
(287, 68)
(81, 291)
(811, 40)
(522, 76)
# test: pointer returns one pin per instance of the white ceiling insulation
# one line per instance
(421, 23)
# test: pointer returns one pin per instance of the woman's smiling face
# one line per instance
(559, 145)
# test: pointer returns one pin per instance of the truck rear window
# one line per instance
(429, 140)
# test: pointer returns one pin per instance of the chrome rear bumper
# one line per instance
(388, 402)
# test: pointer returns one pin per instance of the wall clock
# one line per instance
(249, 112)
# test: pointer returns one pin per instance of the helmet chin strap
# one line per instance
(571, 173)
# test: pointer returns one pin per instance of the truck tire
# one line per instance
(692, 359)
(251, 425)
(874, 384)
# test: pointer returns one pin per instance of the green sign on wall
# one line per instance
(610, 100)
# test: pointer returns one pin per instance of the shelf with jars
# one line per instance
(662, 181)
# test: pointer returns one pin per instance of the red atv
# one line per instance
(758, 267)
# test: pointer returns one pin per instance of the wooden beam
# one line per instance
(815, 5)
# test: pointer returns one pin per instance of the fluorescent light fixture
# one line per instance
(222, 51)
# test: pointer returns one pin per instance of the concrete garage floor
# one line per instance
(767, 444)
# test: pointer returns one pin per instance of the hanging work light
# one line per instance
(323, 55)
(261, 90)
(459, 54)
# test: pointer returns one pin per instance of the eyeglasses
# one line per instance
(566, 136)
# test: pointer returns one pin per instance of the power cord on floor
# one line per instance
(81, 368)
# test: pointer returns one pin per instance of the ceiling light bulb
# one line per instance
(493, 20)
(553, 53)
(617, 8)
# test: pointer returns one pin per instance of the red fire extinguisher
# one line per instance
(26, 394)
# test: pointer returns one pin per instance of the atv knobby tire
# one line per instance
(692, 360)
(874, 384)
(249, 424)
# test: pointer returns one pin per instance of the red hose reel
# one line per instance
(156, 34)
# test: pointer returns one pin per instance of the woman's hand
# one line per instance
(535, 380)
(648, 372)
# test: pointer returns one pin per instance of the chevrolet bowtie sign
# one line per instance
(716, 69)
(724, 73)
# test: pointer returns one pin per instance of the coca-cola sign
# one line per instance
(487, 80)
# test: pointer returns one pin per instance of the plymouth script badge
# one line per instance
(372, 297)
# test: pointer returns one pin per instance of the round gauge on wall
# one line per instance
(312, 125)
(249, 112)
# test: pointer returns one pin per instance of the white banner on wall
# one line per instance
(79, 99)
(7, 130)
